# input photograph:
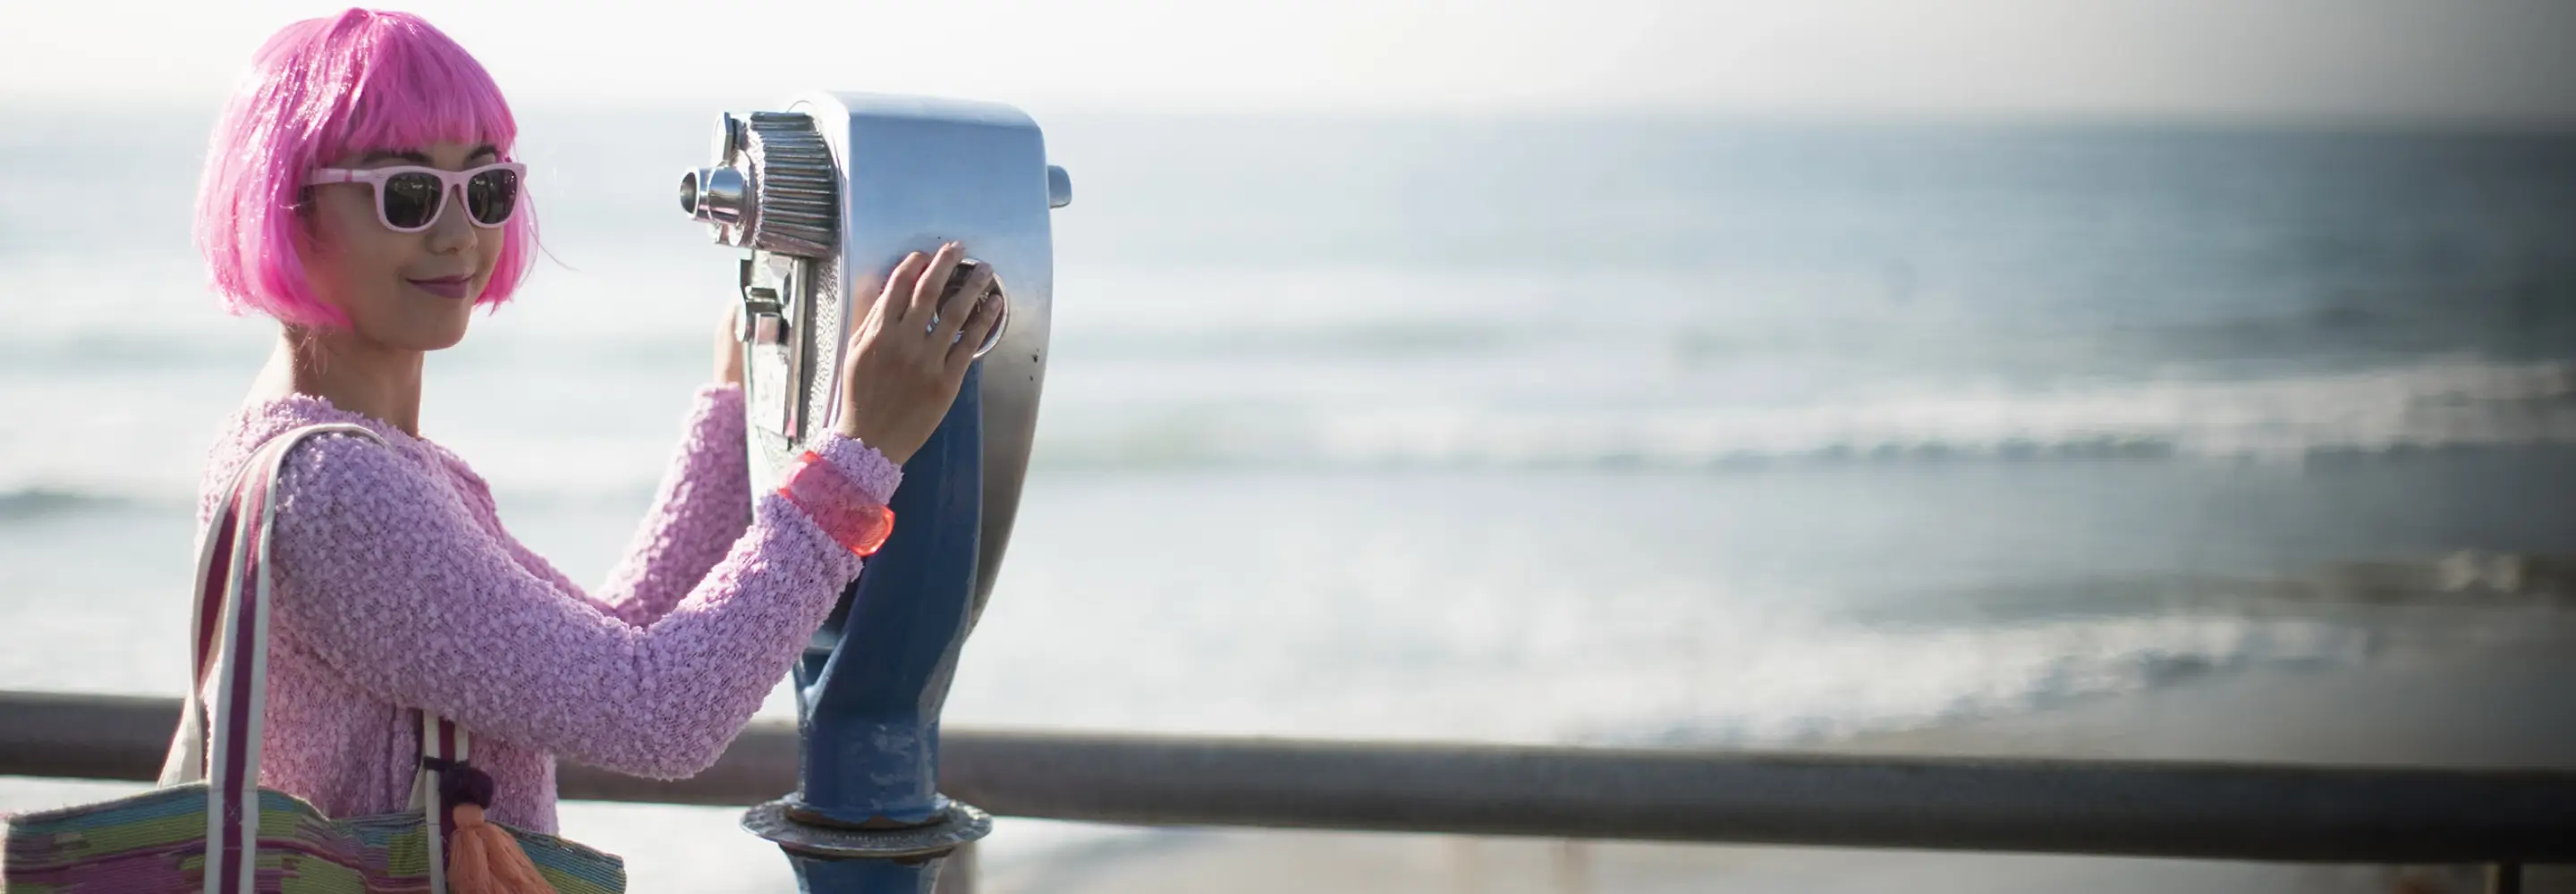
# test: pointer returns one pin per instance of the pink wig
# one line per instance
(319, 90)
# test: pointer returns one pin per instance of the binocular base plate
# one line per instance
(958, 824)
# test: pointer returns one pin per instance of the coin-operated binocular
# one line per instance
(826, 195)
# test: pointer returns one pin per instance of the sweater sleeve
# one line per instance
(702, 507)
(383, 575)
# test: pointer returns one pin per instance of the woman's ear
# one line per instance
(308, 220)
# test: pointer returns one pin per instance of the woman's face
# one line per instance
(411, 291)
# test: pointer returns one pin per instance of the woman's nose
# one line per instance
(453, 230)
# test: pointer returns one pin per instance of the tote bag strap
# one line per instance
(187, 757)
(230, 635)
(442, 744)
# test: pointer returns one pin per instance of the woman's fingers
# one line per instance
(954, 310)
(925, 294)
(903, 370)
(978, 327)
(896, 300)
(729, 346)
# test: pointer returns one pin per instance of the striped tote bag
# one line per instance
(209, 827)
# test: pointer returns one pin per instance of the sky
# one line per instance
(2479, 62)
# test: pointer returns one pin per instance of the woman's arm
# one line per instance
(385, 577)
(703, 504)
(702, 507)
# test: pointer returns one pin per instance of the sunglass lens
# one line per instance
(492, 195)
(411, 200)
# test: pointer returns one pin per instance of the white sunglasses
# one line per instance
(409, 197)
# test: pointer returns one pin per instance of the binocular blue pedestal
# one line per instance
(867, 815)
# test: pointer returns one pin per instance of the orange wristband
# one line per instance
(837, 505)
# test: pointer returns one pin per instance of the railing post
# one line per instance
(2504, 878)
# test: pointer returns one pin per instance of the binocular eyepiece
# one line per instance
(722, 192)
(773, 186)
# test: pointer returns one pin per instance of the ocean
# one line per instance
(1605, 430)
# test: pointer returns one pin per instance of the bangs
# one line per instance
(409, 93)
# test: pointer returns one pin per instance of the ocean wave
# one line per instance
(1821, 681)
(32, 503)
(2466, 577)
(1842, 683)
(2458, 404)
(1691, 668)
(1769, 683)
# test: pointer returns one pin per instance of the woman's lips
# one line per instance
(444, 287)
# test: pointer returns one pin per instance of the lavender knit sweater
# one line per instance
(396, 588)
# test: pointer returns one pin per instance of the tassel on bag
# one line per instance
(483, 858)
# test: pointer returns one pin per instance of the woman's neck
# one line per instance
(352, 373)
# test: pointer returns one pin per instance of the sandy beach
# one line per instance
(2501, 706)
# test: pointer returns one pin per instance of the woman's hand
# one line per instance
(729, 348)
(901, 371)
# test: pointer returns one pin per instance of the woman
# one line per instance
(359, 188)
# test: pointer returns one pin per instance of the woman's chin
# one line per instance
(441, 339)
(443, 343)
(426, 336)
(445, 328)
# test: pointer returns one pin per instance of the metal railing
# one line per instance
(2127, 808)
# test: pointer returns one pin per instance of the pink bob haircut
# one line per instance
(319, 90)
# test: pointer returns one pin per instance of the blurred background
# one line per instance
(2165, 379)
